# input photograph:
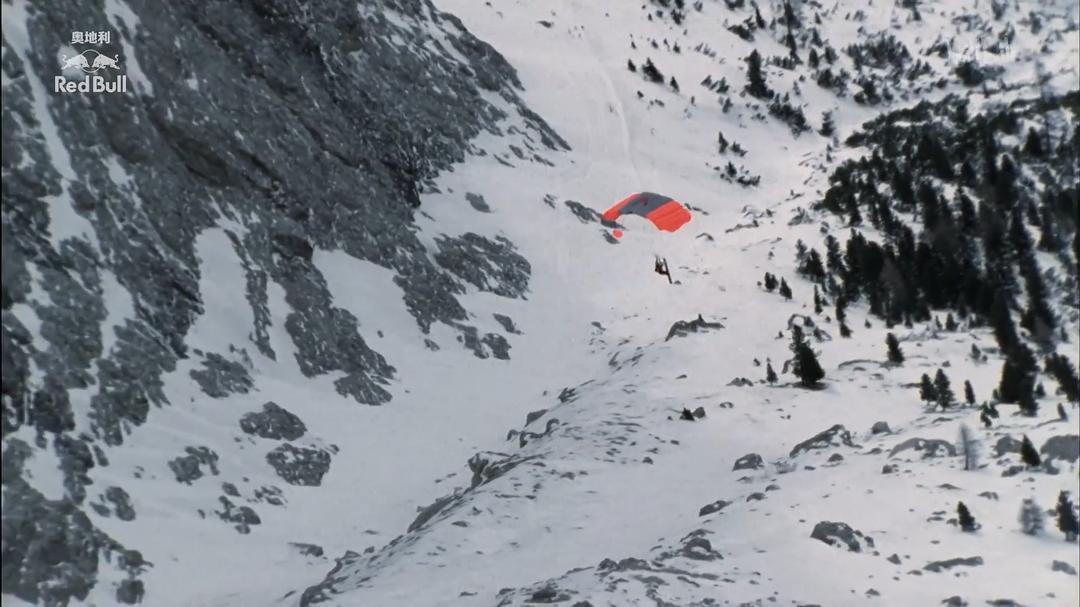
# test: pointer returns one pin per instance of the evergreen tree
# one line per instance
(817, 301)
(1034, 144)
(807, 368)
(800, 252)
(1064, 372)
(1029, 454)
(630, 65)
(964, 518)
(812, 267)
(651, 72)
(756, 86)
(785, 290)
(770, 374)
(896, 355)
(1062, 415)
(1017, 375)
(674, 84)
(969, 393)
(1066, 517)
(950, 323)
(943, 389)
(1031, 517)
(927, 393)
(790, 20)
(828, 127)
(845, 331)
(1048, 235)
(834, 259)
(770, 282)
(793, 49)
(1027, 404)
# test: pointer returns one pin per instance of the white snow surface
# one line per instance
(595, 320)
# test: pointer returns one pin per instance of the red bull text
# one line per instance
(91, 84)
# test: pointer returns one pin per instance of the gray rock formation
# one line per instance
(319, 134)
(1063, 567)
(835, 436)
(939, 566)
(582, 212)
(189, 468)
(303, 466)
(1064, 447)
(477, 202)
(221, 377)
(308, 549)
(930, 447)
(837, 534)
(716, 506)
(507, 323)
(682, 328)
(273, 422)
(1006, 444)
(121, 503)
(750, 461)
(489, 265)
(242, 517)
(880, 428)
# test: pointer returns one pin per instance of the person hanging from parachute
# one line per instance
(666, 213)
(661, 268)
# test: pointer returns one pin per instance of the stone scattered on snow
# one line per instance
(1064, 447)
(1063, 567)
(841, 534)
(939, 566)
(750, 461)
(835, 436)
(880, 428)
(716, 506)
(304, 466)
(930, 447)
(273, 422)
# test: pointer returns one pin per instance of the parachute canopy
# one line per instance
(665, 213)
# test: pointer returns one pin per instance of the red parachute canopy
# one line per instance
(666, 213)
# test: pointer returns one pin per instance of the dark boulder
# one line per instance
(304, 466)
(273, 422)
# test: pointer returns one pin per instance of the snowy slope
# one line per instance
(613, 475)
(608, 471)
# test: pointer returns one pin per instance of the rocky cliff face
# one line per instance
(292, 128)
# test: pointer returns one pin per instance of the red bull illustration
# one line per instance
(90, 62)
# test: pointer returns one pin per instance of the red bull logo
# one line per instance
(94, 65)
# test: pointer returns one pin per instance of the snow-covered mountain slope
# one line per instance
(502, 295)
(599, 500)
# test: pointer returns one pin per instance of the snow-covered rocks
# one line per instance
(929, 447)
(682, 328)
(304, 466)
(1064, 447)
(939, 566)
(713, 508)
(841, 534)
(836, 436)
(273, 422)
(750, 461)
